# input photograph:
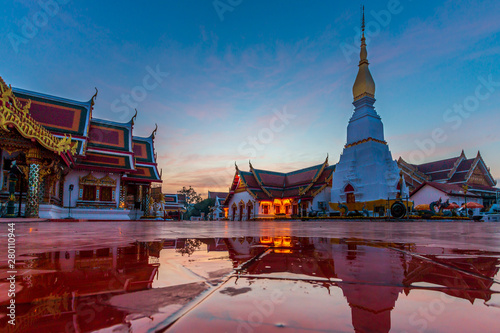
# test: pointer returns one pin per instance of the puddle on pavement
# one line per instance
(256, 284)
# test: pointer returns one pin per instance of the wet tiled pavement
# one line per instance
(254, 277)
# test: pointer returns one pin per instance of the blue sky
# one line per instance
(228, 67)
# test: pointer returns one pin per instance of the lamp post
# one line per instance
(465, 187)
(71, 186)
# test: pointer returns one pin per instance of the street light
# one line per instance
(71, 186)
(465, 187)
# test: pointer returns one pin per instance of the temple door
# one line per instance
(249, 212)
(241, 213)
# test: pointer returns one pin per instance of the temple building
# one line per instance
(366, 170)
(59, 161)
(446, 179)
(219, 211)
(365, 173)
(261, 194)
(173, 206)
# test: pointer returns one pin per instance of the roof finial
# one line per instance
(154, 131)
(134, 117)
(92, 100)
(236, 167)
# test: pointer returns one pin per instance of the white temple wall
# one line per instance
(370, 169)
(74, 178)
(323, 196)
(362, 126)
(428, 194)
(237, 198)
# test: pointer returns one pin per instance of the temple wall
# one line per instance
(323, 196)
(237, 197)
(428, 194)
(74, 177)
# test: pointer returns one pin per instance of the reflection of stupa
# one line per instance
(366, 170)
(372, 276)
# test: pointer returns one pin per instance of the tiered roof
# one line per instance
(102, 145)
(268, 185)
(145, 158)
(59, 115)
(14, 113)
(219, 197)
(454, 171)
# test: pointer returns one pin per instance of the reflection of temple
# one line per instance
(67, 290)
(56, 155)
(371, 275)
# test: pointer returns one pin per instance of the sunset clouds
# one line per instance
(228, 78)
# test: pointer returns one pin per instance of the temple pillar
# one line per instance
(145, 199)
(41, 190)
(33, 158)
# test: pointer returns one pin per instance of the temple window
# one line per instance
(295, 210)
(96, 192)
(106, 194)
(277, 209)
(287, 209)
(265, 209)
(89, 192)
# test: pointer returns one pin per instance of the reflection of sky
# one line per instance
(226, 77)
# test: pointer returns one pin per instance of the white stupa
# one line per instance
(366, 170)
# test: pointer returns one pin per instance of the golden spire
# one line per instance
(364, 84)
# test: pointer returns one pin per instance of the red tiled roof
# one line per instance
(213, 195)
(458, 177)
(465, 165)
(483, 188)
(437, 165)
(442, 175)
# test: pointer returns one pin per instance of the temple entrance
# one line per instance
(234, 212)
(241, 213)
(349, 191)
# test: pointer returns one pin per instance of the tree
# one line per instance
(191, 196)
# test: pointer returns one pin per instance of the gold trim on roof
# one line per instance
(13, 114)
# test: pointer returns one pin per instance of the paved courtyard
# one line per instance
(254, 276)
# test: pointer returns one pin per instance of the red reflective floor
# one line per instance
(254, 277)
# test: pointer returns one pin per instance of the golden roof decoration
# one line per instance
(364, 84)
(13, 114)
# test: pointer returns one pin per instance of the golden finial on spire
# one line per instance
(363, 20)
(364, 84)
